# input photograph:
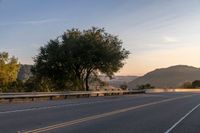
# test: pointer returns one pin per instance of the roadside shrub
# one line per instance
(196, 84)
(124, 86)
(34, 84)
(187, 85)
(145, 86)
(15, 86)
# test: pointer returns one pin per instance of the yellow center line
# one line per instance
(77, 121)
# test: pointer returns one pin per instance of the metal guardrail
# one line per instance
(64, 95)
(160, 90)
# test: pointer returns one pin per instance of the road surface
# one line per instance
(141, 113)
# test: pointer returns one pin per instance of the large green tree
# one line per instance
(71, 59)
(9, 68)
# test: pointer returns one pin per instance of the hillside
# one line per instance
(170, 77)
(24, 72)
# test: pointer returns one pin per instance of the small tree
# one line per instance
(196, 84)
(9, 68)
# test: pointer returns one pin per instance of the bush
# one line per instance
(196, 84)
(145, 86)
(15, 86)
(124, 86)
(34, 84)
(187, 85)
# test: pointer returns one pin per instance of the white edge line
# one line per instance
(56, 106)
(172, 127)
(68, 123)
(49, 107)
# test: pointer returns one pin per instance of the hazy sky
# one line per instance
(158, 33)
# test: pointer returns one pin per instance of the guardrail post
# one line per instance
(51, 98)
(32, 99)
(10, 100)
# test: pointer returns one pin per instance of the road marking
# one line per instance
(63, 105)
(49, 107)
(172, 127)
(77, 121)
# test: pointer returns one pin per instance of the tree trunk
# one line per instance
(87, 82)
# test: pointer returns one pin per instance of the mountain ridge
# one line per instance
(170, 77)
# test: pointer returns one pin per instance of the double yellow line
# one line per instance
(77, 121)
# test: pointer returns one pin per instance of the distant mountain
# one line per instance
(170, 77)
(24, 72)
(116, 81)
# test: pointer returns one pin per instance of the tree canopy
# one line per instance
(9, 68)
(196, 84)
(73, 58)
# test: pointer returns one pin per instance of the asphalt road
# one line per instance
(141, 113)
